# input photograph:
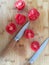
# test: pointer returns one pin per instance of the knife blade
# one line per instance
(21, 32)
(36, 55)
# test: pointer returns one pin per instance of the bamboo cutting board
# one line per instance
(19, 54)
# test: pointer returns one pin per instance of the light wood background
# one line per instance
(21, 52)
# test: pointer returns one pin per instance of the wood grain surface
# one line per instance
(21, 52)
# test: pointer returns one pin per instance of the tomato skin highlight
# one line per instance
(19, 4)
(11, 28)
(29, 33)
(35, 45)
(33, 14)
(20, 19)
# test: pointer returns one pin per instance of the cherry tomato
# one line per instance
(19, 4)
(11, 28)
(33, 14)
(29, 33)
(20, 19)
(35, 45)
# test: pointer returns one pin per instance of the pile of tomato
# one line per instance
(20, 19)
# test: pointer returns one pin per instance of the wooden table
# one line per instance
(19, 54)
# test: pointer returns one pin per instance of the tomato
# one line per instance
(29, 33)
(11, 28)
(19, 4)
(35, 45)
(20, 19)
(33, 14)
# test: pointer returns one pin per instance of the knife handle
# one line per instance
(27, 63)
(11, 44)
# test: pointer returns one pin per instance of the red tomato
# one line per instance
(29, 33)
(35, 45)
(33, 14)
(11, 28)
(19, 4)
(20, 19)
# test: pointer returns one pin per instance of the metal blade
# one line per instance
(20, 34)
(33, 58)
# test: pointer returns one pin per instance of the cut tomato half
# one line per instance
(33, 14)
(29, 33)
(19, 4)
(11, 28)
(20, 19)
(35, 45)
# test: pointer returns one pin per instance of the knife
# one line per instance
(36, 55)
(18, 36)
